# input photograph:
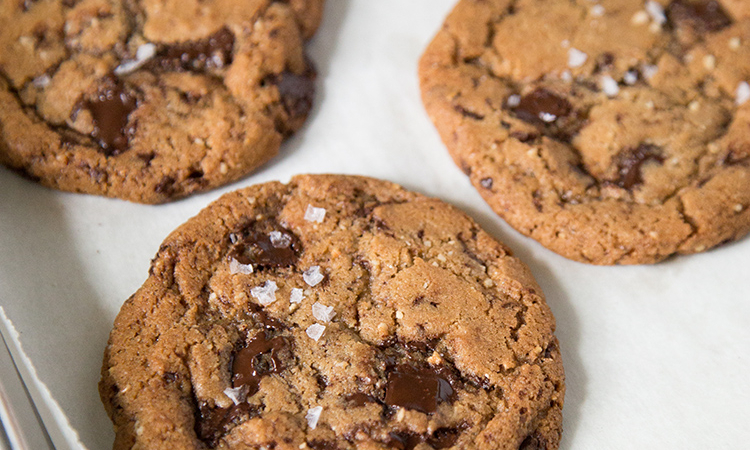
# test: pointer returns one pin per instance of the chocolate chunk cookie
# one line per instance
(334, 312)
(612, 131)
(150, 100)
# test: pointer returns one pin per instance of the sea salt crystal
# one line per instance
(313, 214)
(237, 267)
(265, 294)
(315, 331)
(312, 416)
(566, 76)
(143, 54)
(513, 101)
(656, 12)
(609, 86)
(649, 71)
(42, 81)
(296, 295)
(237, 395)
(279, 239)
(743, 93)
(547, 117)
(322, 312)
(576, 58)
(630, 77)
(312, 276)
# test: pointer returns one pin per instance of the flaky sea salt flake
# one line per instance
(237, 395)
(743, 93)
(313, 415)
(513, 101)
(597, 11)
(236, 267)
(279, 239)
(315, 331)
(42, 81)
(265, 294)
(312, 276)
(576, 58)
(322, 312)
(296, 295)
(547, 117)
(313, 214)
(144, 53)
(609, 86)
(649, 71)
(656, 11)
(630, 77)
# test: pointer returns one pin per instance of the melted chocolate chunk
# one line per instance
(534, 441)
(110, 110)
(630, 162)
(542, 106)
(701, 15)
(257, 248)
(604, 62)
(259, 358)
(417, 389)
(213, 52)
(442, 438)
(360, 399)
(213, 423)
(466, 113)
(297, 92)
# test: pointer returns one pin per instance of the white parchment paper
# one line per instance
(655, 356)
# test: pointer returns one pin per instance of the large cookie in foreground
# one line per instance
(150, 100)
(612, 132)
(334, 312)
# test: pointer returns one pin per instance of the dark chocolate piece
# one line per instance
(417, 389)
(360, 399)
(542, 106)
(701, 15)
(631, 161)
(258, 359)
(297, 92)
(257, 248)
(213, 52)
(212, 423)
(110, 110)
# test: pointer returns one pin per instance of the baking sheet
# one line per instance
(655, 356)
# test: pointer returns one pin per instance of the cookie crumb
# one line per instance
(279, 239)
(735, 43)
(400, 414)
(315, 331)
(223, 168)
(743, 93)
(488, 283)
(596, 11)
(265, 294)
(296, 296)
(399, 315)
(694, 105)
(236, 267)
(312, 416)
(322, 312)
(738, 207)
(312, 276)
(639, 18)
(609, 86)
(699, 248)
(709, 62)
(576, 58)
(313, 214)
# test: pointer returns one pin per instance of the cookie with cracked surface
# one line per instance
(334, 312)
(150, 100)
(616, 133)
